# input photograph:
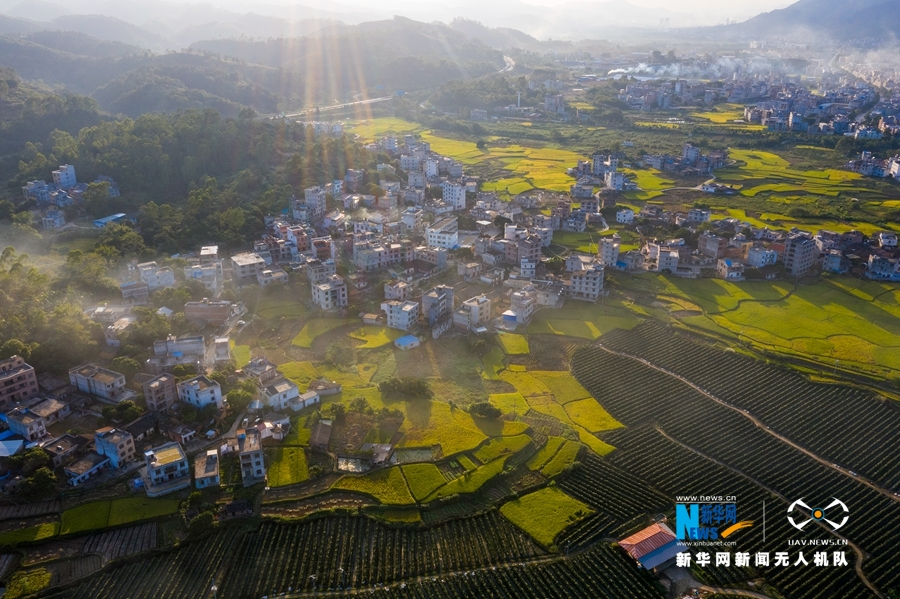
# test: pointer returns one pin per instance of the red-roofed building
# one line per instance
(653, 546)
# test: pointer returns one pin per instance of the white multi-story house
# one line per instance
(279, 394)
(206, 469)
(64, 177)
(523, 303)
(587, 284)
(253, 462)
(758, 257)
(155, 276)
(401, 315)
(473, 312)
(411, 218)
(730, 270)
(26, 423)
(443, 233)
(166, 469)
(454, 194)
(800, 252)
(247, 266)
(625, 216)
(99, 381)
(331, 293)
(200, 391)
(396, 290)
(115, 444)
(609, 249)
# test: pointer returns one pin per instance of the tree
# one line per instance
(481, 145)
(201, 525)
(14, 347)
(485, 410)
(96, 199)
(239, 399)
(42, 482)
(360, 404)
(126, 366)
(409, 387)
(501, 221)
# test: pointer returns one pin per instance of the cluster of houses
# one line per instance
(63, 192)
(691, 162)
(729, 249)
(871, 166)
(33, 406)
(600, 170)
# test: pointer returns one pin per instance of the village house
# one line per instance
(206, 469)
(18, 381)
(166, 470)
(160, 392)
(200, 391)
(86, 468)
(100, 382)
(65, 449)
(253, 463)
(116, 444)
(29, 425)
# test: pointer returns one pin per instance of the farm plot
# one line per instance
(115, 512)
(667, 406)
(546, 453)
(493, 364)
(562, 459)
(30, 534)
(386, 485)
(185, 572)
(299, 372)
(562, 384)
(288, 467)
(501, 446)
(849, 426)
(374, 336)
(123, 542)
(513, 344)
(545, 513)
(423, 479)
(317, 327)
(602, 573)
(765, 171)
(278, 556)
(590, 415)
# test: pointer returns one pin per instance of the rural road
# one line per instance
(758, 423)
(337, 106)
(510, 65)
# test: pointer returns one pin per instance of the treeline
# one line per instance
(485, 93)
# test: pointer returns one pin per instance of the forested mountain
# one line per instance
(396, 53)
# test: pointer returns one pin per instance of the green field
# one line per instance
(288, 467)
(545, 513)
(759, 171)
(546, 453)
(423, 479)
(513, 344)
(317, 327)
(32, 533)
(375, 336)
(591, 415)
(502, 446)
(493, 364)
(387, 485)
(853, 321)
(101, 514)
(562, 459)
(562, 384)
(274, 307)
(90, 516)
(299, 372)
(471, 481)
(241, 354)
(585, 321)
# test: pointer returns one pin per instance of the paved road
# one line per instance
(338, 106)
(510, 65)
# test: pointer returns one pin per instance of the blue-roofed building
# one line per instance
(653, 547)
(112, 218)
(407, 342)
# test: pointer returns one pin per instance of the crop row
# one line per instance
(675, 470)
(122, 542)
(352, 551)
(852, 427)
(728, 437)
(604, 572)
(186, 572)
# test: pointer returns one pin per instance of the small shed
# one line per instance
(407, 342)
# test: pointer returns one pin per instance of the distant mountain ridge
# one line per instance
(838, 19)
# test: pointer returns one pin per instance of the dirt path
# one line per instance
(741, 592)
